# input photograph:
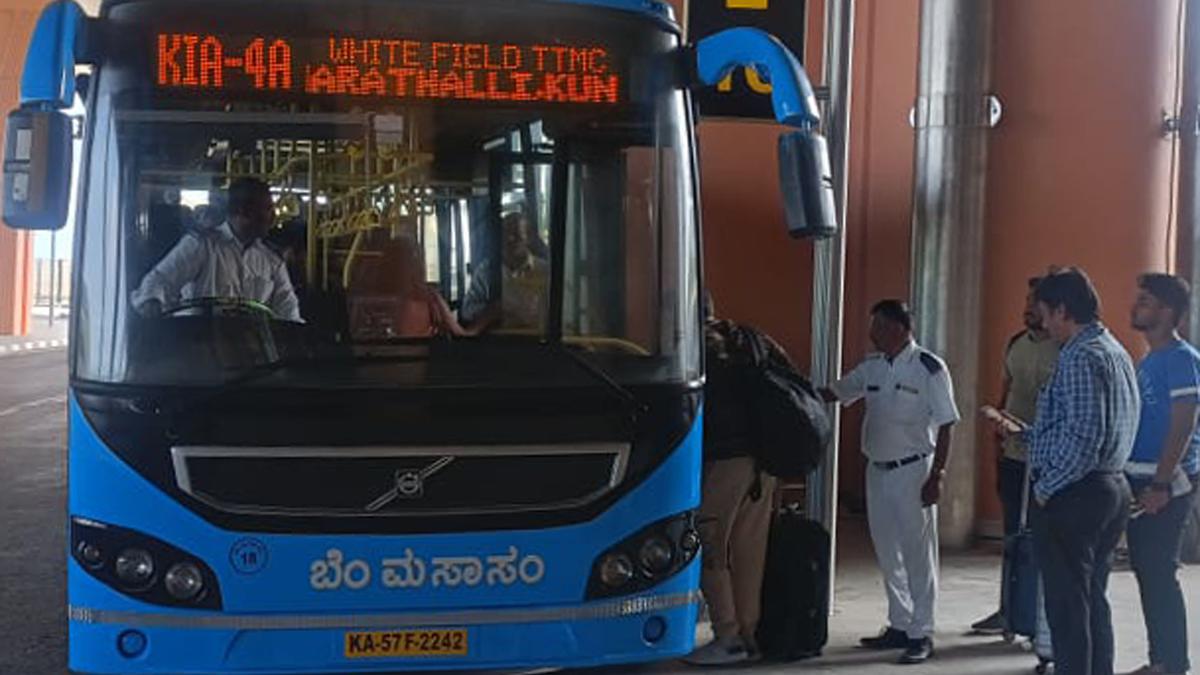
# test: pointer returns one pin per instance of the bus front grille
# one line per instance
(399, 481)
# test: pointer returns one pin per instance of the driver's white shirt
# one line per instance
(214, 264)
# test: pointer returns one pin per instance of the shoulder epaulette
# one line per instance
(932, 363)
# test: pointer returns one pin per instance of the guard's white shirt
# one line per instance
(908, 399)
(215, 264)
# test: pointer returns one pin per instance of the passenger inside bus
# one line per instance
(389, 296)
(514, 297)
(228, 263)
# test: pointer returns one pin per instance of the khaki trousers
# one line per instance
(733, 526)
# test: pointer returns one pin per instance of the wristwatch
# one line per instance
(1161, 487)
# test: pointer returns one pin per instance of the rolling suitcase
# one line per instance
(1020, 577)
(795, 612)
(1024, 600)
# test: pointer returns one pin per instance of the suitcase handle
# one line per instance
(1025, 489)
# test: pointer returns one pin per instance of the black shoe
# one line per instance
(888, 639)
(918, 651)
(993, 625)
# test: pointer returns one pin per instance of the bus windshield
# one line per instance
(447, 206)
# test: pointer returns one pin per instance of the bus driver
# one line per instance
(228, 261)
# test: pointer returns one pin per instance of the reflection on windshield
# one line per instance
(519, 302)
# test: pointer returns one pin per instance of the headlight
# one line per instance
(616, 570)
(646, 558)
(143, 567)
(656, 555)
(135, 567)
(90, 554)
(184, 581)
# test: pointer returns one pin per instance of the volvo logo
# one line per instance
(408, 484)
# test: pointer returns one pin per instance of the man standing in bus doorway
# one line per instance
(1164, 469)
(1028, 364)
(906, 438)
(519, 302)
(230, 261)
(735, 509)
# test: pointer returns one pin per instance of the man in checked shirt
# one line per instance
(1087, 417)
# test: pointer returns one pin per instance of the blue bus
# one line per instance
(444, 410)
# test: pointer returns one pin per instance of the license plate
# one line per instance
(406, 643)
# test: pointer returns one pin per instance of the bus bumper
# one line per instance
(655, 625)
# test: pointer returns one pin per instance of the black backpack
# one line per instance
(795, 595)
(791, 426)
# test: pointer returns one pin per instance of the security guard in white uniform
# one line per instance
(906, 438)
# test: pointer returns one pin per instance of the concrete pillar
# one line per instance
(952, 120)
(16, 248)
(1188, 220)
(1079, 171)
(16, 293)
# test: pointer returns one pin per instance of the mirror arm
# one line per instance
(48, 80)
(792, 94)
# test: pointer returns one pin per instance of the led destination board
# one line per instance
(391, 68)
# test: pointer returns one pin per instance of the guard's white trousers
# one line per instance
(906, 544)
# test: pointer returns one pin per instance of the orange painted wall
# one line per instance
(16, 248)
(757, 274)
(1078, 173)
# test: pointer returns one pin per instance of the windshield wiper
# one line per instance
(600, 375)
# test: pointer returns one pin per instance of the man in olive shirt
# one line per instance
(1028, 364)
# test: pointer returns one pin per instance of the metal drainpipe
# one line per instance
(829, 258)
(1189, 161)
(952, 117)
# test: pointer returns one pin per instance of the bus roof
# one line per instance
(657, 9)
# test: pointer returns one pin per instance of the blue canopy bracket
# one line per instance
(792, 94)
(48, 80)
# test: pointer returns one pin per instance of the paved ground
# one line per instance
(32, 623)
(32, 506)
(969, 583)
(42, 337)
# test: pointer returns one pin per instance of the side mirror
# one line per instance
(806, 181)
(38, 152)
